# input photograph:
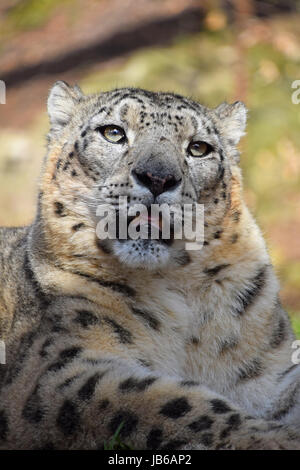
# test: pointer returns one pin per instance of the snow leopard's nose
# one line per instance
(157, 183)
(157, 165)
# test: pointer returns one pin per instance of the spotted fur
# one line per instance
(183, 349)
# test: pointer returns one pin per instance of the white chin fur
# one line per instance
(147, 254)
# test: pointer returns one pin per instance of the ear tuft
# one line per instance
(233, 119)
(61, 104)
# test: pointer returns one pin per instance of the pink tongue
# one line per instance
(146, 220)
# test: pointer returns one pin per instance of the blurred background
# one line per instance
(210, 50)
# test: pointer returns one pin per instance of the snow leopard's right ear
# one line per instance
(61, 104)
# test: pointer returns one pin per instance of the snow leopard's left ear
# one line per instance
(232, 120)
(61, 103)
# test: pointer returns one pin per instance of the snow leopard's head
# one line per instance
(149, 148)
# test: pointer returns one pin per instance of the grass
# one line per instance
(115, 442)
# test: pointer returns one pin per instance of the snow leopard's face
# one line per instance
(150, 148)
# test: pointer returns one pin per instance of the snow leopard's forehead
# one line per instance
(152, 110)
(151, 99)
(148, 112)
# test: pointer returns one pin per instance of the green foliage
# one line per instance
(296, 325)
(115, 442)
(30, 14)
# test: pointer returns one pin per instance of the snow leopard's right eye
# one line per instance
(113, 134)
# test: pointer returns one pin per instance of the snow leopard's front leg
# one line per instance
(81, 401)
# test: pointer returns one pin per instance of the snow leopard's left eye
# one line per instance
(112, 133)
(199, 149)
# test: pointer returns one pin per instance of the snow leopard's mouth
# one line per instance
(145, 226)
